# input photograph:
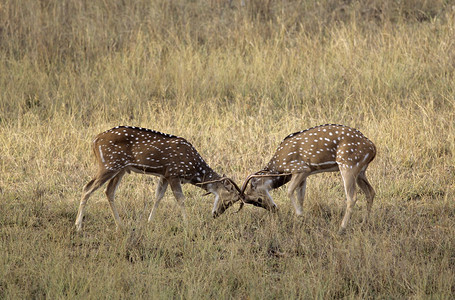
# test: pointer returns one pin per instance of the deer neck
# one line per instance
(275, 181)
(207, 175)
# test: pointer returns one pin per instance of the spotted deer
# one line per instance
(324, 148)
(174, 160)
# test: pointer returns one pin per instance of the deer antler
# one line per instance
(245, 183)
(220, 180)
(241, 206)
(242, 196)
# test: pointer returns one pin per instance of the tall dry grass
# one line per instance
(234, 81)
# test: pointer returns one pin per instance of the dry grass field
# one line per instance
(234, 81)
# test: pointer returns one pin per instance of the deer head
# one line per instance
(227, 193)
(255, 193)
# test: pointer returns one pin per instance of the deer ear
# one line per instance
(253, 183)
(228, 185)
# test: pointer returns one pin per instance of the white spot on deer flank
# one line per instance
(101, 154)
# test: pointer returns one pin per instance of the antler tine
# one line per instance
(211, 181)
(245, 183)
(241, 206)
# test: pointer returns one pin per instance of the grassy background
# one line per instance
(234, 81)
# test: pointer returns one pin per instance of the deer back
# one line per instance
(149, 151)
(322, 148)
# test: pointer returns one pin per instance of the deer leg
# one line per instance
(349, 179)
(110, 193)
(300, 197)
(298, 183)
(366, 187)
(88, 189)
(159, 194)
(179, 196)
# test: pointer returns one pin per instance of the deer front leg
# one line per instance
(179, 196)
(159, 194)
(300, 197)
(298, 183)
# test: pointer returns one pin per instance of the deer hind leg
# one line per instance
(110, 193)
(88, 189)
(298, 183)
(179, 196)
(366, 187)
(349, 179)
(159, 194)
